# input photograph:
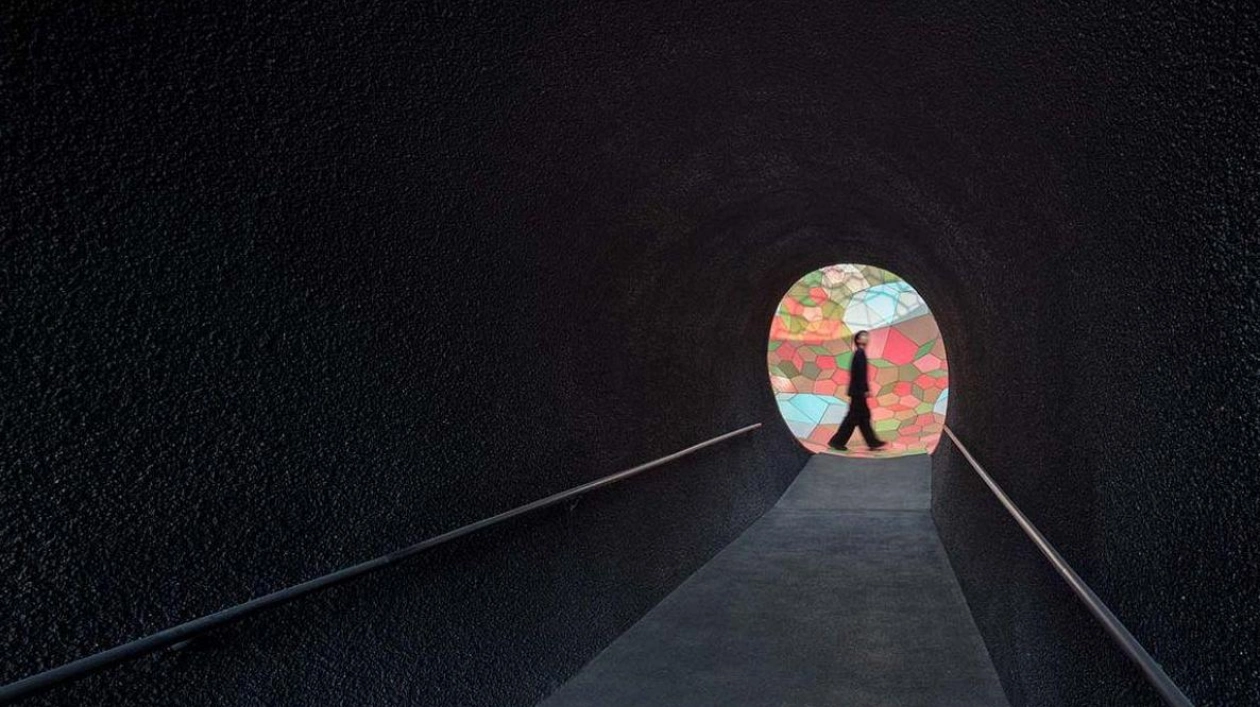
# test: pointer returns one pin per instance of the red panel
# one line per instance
(899, 348)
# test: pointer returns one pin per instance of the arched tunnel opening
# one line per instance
(814, 338)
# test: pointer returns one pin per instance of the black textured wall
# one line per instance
(288, 286)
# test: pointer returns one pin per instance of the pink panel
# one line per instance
(875, 346)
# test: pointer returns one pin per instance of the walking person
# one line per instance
(859, 414)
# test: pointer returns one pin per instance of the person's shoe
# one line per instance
(841, 448)
(876, 447)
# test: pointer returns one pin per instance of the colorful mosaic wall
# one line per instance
(811, 346)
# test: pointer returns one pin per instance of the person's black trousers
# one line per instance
(859, 416)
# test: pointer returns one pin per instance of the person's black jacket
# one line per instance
(857, 375)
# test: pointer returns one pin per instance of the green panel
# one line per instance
(886, 425)
(925, 349)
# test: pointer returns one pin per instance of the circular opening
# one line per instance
(811, 354)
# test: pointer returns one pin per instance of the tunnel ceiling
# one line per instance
(287, 285)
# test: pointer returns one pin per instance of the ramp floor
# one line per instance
(840, 595)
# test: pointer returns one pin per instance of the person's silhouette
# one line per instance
(859, 414)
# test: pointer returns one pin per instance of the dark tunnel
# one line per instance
(286, 286)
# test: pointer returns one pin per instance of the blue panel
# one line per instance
(800, 429)
(812, 406)
(789, 411)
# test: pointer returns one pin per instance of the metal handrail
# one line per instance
(1146, 663)
(187, 631)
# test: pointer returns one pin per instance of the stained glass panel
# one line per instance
(811, 348)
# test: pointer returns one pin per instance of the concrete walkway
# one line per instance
(840, 595)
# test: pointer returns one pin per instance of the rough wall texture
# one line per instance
(287, 286)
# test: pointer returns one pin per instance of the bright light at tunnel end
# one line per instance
(811, 347)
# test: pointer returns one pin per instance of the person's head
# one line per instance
(860, 339)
